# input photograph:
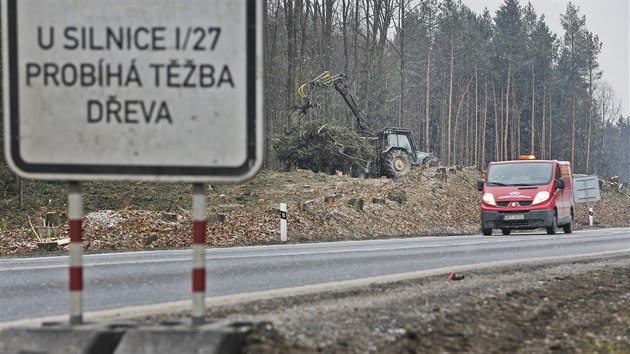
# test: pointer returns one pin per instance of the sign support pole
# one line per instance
(75, 250)
(198, 252)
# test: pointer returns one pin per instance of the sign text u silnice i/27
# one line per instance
(165, 90)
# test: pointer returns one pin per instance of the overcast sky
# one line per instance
(609, 19)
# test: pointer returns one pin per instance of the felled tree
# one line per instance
(325, 148)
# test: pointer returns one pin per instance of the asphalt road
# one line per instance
(36, 287)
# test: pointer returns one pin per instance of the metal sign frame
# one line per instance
(68, 169)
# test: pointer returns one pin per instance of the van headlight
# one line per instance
(488, 198)
(540, 197)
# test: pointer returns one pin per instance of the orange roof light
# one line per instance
(527, 157)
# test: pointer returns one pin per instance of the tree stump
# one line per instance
(329, 200)
(307, 205)
(50, 246)
(441, 174)
(397, 196)
(169, 217)
(216, 218)
(148, 240)
(356, 204)
(55, 218)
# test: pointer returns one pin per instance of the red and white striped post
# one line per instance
(198, 249)
(75, 250)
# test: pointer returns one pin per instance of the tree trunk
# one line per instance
(533, 128)
(468, 150)
(450, 103)
(476, 140)
(345, 8)
(427, 96)
(328, 31)
(291, 39)
(590, 117)
(355, 43)
(459, 108)
(369, 55)
(573, 109)
(496, 125)
(502, 122)
(542, 135)
(516, 120)
(271, 43)
(303, 19)
(550, 128)
(507, 112)
(485, 125)
(401, 110)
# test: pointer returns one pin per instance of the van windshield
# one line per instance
(520, 174)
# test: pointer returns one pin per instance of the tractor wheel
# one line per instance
(431, 162)
(396, 163)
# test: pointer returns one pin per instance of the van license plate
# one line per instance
(514, 217)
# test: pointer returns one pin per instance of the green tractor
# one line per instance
(396, 151)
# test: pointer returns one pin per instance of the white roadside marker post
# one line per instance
(283, 222)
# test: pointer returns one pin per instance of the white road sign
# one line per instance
(586, 189)
(164, 90)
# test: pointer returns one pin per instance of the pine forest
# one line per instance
(472, 87)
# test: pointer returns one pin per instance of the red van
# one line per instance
(527, 194)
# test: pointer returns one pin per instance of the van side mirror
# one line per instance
(480, 185)
(559, 183)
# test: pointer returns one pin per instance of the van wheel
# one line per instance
(554, 225)
(568, 228)
(506, 231)
(486, 232)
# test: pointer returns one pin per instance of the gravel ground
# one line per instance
(577, 307)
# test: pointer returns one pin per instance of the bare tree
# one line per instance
(593, 48)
